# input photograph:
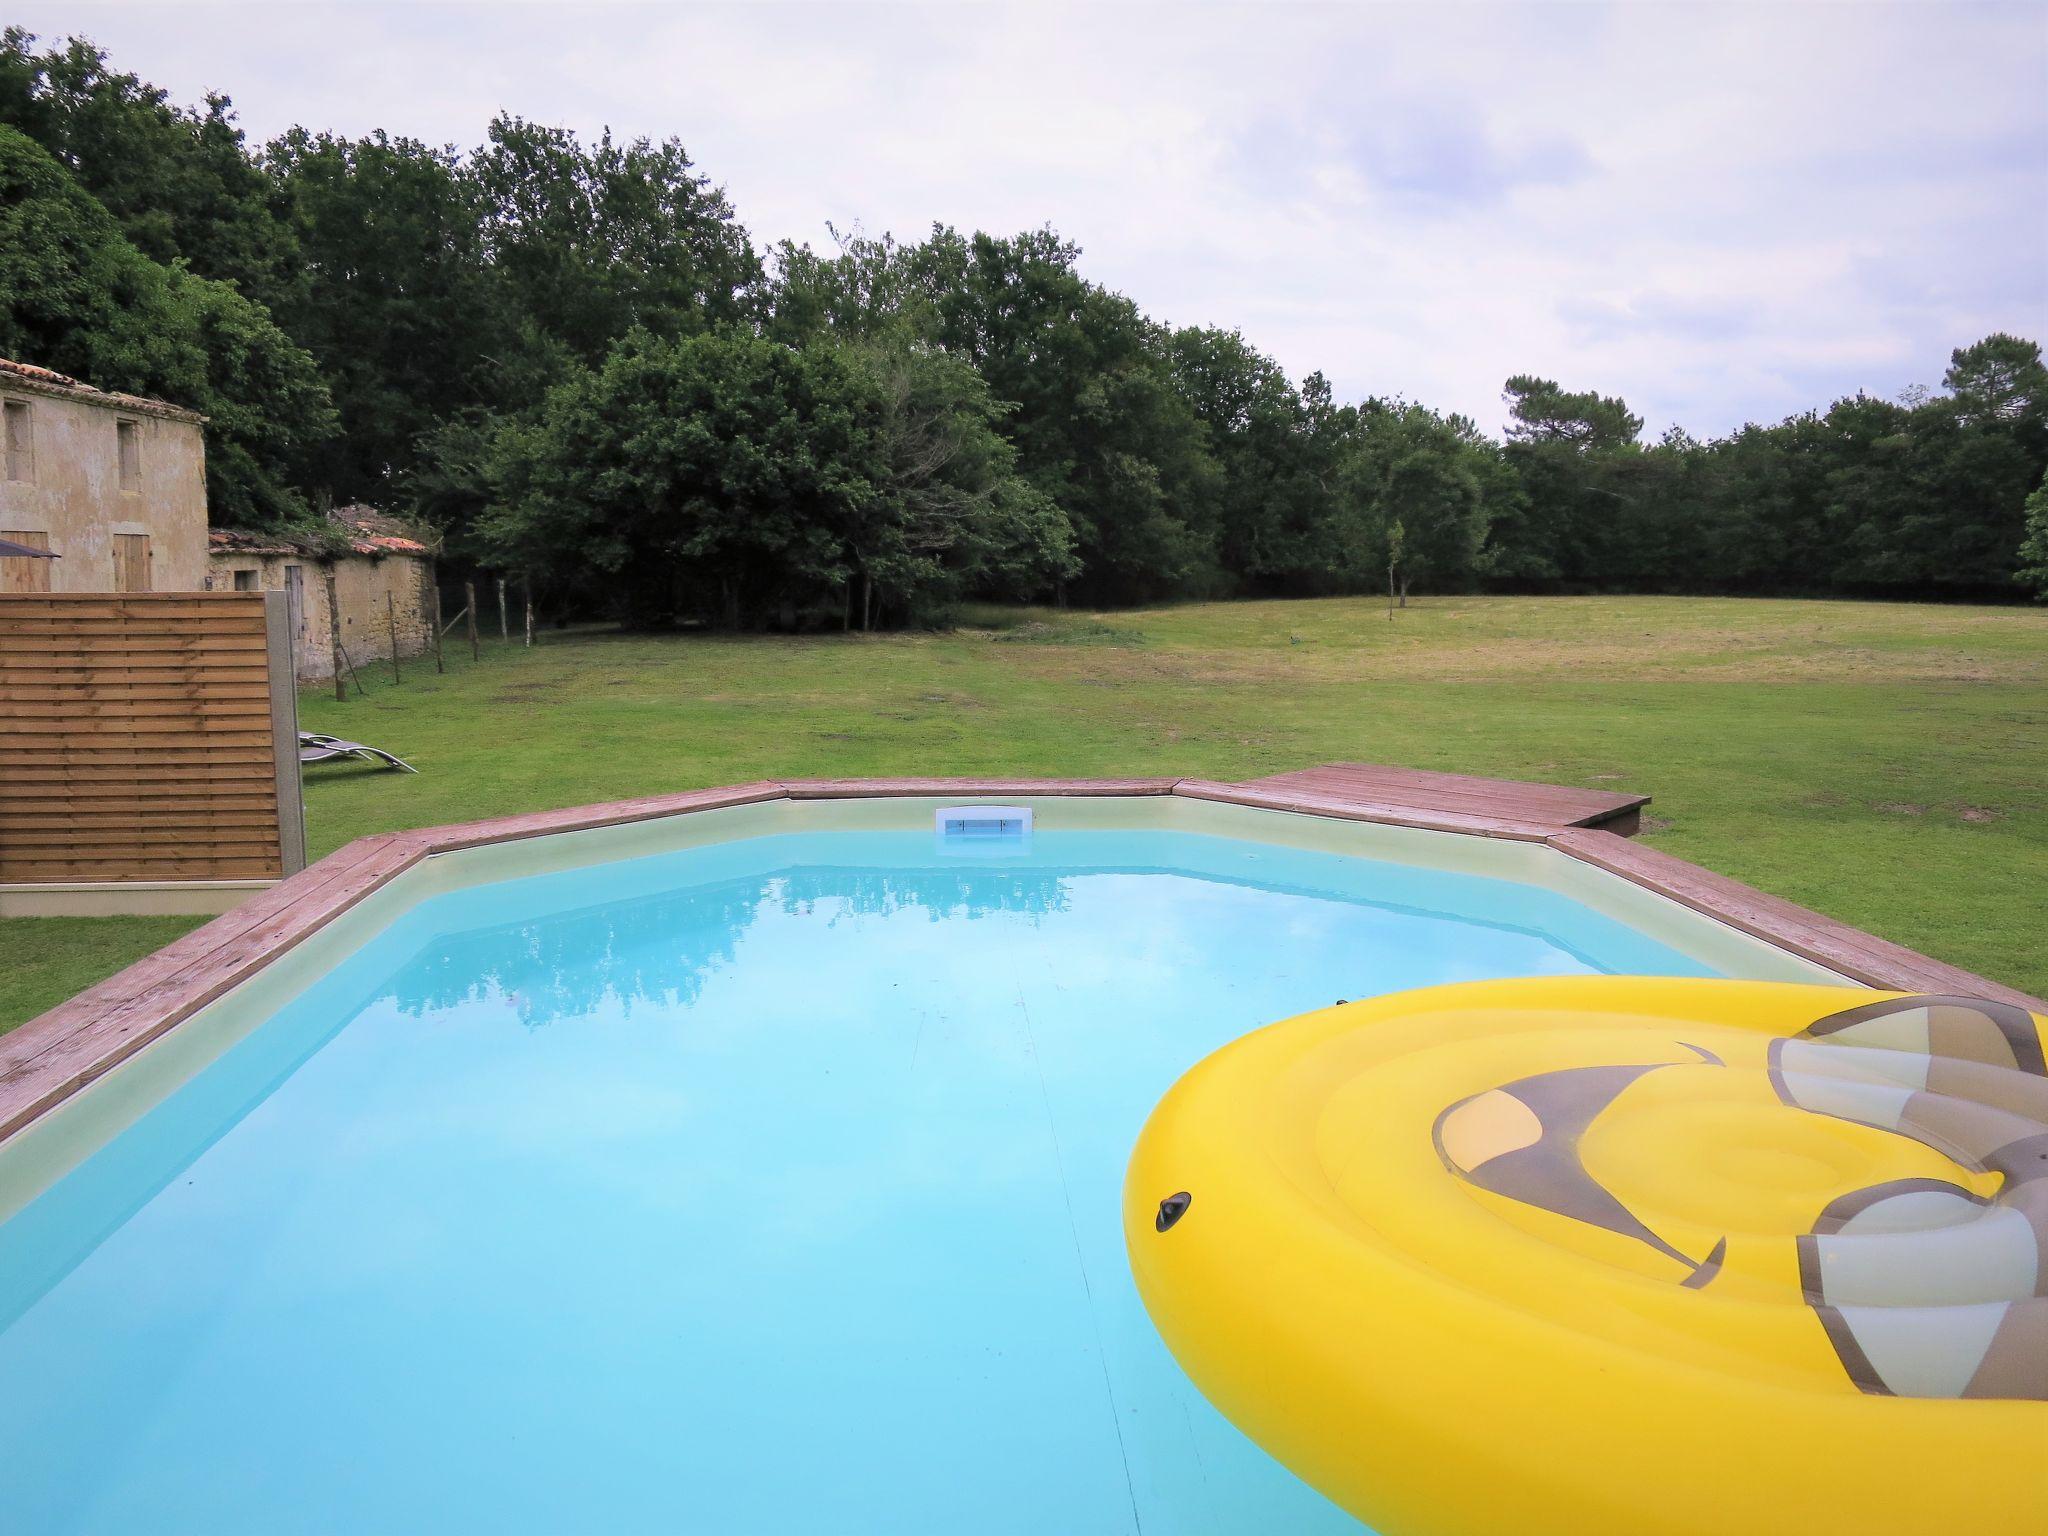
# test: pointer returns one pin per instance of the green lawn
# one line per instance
(1881, 762)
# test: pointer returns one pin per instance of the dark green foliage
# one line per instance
(952, 517)
(771, 485)
(1098, 424)
(1415, 488)
(2034, 549)
(1873, 496)
(398, 305)
(267, 409)
(1275, 450)
(77, 296)
(591, 242)
(179, 183)
(709, 471)
(567, 357)
(1572, 456)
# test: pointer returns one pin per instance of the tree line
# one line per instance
(571, 358)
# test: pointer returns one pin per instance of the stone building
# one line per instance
(371, 557)
(114, 485)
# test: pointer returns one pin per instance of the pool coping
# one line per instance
(54, 1055)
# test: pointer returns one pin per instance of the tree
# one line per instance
(872, 288)
(2034, 550)
(1098, 425)
(952, 515)
(1412, 502)
(397, 305)
(2000, 378)
(268, 412)
(715, 472)
(77, 296)
(1541, 413)
(592, 242)
(453, 482)
(179, 183)
(862, 481)
(1274, 457)
(1925, 499)
(1568, 451)
(1766, 517)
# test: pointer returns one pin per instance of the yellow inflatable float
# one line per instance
(1620, 1255)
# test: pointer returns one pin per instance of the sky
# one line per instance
(1721, 212)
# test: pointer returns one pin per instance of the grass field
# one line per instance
(1885, 763)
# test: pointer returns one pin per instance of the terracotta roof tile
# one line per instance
(310, 545)
(48, 381)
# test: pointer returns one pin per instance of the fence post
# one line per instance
(284, 731)
(469, 595)
(334, 633)
(526, 592)
(391, 618)
(504, 627)
(438, 667)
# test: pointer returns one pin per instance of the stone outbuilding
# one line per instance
(378, 570)
(113, 485)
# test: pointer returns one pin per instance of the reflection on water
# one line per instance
(661, 948)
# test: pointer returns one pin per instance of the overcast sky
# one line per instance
(1720, 212)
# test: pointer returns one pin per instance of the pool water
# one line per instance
(770, 1186)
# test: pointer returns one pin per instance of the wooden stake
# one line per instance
(469, 597)
(391, 618)
(334, 634)
(354, 675)
(438, 667)
(504, 628)
(526, 592)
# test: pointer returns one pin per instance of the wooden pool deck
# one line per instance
(55, 1054)
(1548, 805)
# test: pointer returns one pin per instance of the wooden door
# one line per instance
(25, 573)
(295, 610)
(131, 562)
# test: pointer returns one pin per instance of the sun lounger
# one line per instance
(315, 748)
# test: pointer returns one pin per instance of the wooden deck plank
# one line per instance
(1258, 795)
(1557, 805)
(1858, 955)
(56, 1053)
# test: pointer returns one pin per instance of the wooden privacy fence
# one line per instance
(147, 737)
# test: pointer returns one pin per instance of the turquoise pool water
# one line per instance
(766, 1187)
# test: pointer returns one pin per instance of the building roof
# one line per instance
(383, 533)
(48, 381)
(350, 530)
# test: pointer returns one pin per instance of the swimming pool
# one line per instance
(759, 1174)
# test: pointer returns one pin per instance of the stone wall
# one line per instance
(361, 583)
(66, 491)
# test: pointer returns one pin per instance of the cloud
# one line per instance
(1721, 212)
(1439, 157)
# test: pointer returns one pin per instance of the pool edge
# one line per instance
(52, 1056)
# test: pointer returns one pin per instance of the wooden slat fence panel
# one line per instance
(139, 733)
